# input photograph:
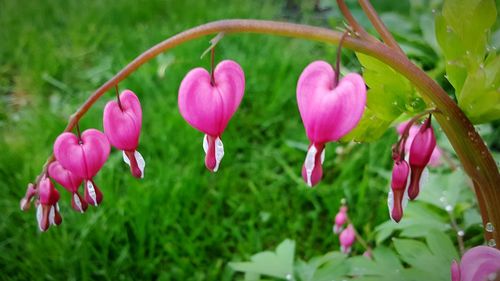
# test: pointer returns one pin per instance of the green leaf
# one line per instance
(389, 95)
(276, 264)
(417, 255)
(441, 246)
(326, 267)
(462, 31)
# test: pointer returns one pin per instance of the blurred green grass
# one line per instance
(181, 222)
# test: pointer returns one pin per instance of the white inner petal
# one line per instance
(205, 144)
(141, 163)
(125, 158)
(39, 214)
(219, 152)
(309, 163)
(52, 215)
(91, 191)
(323, 156)
(78, 203)
(390, 202)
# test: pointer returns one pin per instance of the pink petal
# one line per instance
(85, 159)
(479, 262)
(329, 112)
(123, 125)
(209, 108)
(67, 179)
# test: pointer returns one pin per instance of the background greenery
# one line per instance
(181, 222)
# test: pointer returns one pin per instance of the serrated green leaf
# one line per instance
(276, 264)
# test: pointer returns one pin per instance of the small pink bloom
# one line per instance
(25, 202)
(398, 197)
(347, 238)
(84, 157)
(421, 150)
(70, 182)
(478, 264)
(209, 107)
(122, 126)
(340, 220)
(436, 153)
(328, 111)
(48, 210)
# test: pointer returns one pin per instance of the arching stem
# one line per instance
(470, 148)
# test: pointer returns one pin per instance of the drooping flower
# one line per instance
(25, 202)
(398, 196)
(47, 212)
(70, 182)
(347, 238)
(122, 123)
(421, 150)
(478, 263)
(436, 155)
(84, 157)
(340, 220)
(328, 110)
(209, 105)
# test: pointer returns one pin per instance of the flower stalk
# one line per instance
(470, 148)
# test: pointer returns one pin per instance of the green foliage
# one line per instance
(389, 95)
(472, 67)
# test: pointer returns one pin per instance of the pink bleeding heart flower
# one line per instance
(328, 111)
(84, 157)
(478, 263)
(70, 182)
(47, 210)
(347, 238)
(340, 220)
(208, 106)
(122, 125)
(436, 153)
(25, 202)
(398, 197)
(421, 149)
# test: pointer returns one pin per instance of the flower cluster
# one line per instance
(478, 263)
(420, 144)
(347, 235)
(78, 159)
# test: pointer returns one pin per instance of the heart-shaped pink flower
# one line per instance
(84, 157)
(70, 182)
(209, 107)
(329, 111)
(122, 125)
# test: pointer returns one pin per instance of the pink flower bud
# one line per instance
(70, 182)
(122, 125)
(455, 271)
(340, 220)
(47, 209)
(396, 199)
(25, 202)
(328, 110)
(208, 106)
(84, 157)
(347, 238)
(420, 153)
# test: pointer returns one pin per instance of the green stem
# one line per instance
(470, 148)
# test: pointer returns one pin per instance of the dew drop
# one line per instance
(478, 168)
(467, 52)
(442, 199)
(448, 208)
(448, 118)
(481, 66)
(489, 227)
(460, 233)
(492, 276)
(492, 243)
(289, 276)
